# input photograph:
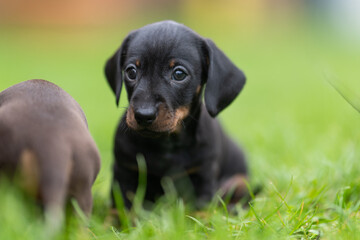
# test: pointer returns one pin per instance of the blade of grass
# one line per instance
(141, 189)
(224, 207)
(350, 96)
(207, 229)
(120, 207)
(79, 212)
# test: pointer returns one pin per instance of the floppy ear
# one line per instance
(113, 67)
(224, 80)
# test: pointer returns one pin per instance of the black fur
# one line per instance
(195, 149)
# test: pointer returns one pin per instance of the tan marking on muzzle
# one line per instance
(163, 121)
(130, 119)
(180, 114)
(166, 120)
(29, 172)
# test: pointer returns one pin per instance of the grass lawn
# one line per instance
(301, 137)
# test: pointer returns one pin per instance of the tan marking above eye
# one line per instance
(172, 63)
(137, 63)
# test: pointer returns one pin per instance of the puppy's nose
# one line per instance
(145, 116)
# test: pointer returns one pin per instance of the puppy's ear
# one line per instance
(114, 66)
(224, 80)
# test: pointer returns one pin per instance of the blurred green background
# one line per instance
(295, 127)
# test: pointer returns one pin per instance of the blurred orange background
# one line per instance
(103, 12)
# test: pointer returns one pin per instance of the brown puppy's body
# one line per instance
(44, 137)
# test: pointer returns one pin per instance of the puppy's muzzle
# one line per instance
(145, 116)
(155, 118)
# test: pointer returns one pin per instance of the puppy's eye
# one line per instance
(131, 73)
(179, 75)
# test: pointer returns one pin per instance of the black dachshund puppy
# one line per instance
(165, 67)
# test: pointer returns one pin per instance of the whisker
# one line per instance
(183, 124)
(193, 118)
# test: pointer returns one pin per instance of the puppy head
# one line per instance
(164, 67)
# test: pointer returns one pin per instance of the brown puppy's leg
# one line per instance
(84, 171)
(29, 172)
(54, 181)
(234, 187)
(84, 199)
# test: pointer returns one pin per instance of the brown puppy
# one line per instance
(44, 139)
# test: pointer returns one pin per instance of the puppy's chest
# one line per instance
(167, 159)
(170, 161)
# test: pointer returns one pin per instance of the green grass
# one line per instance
(301, 136)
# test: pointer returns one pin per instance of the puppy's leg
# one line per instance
(86, 165)
(84, 198)
(80, 187)
(54, 180)
(204, 186)
(128, 182)
(233, 174)
(234, 187)
(29, 172)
